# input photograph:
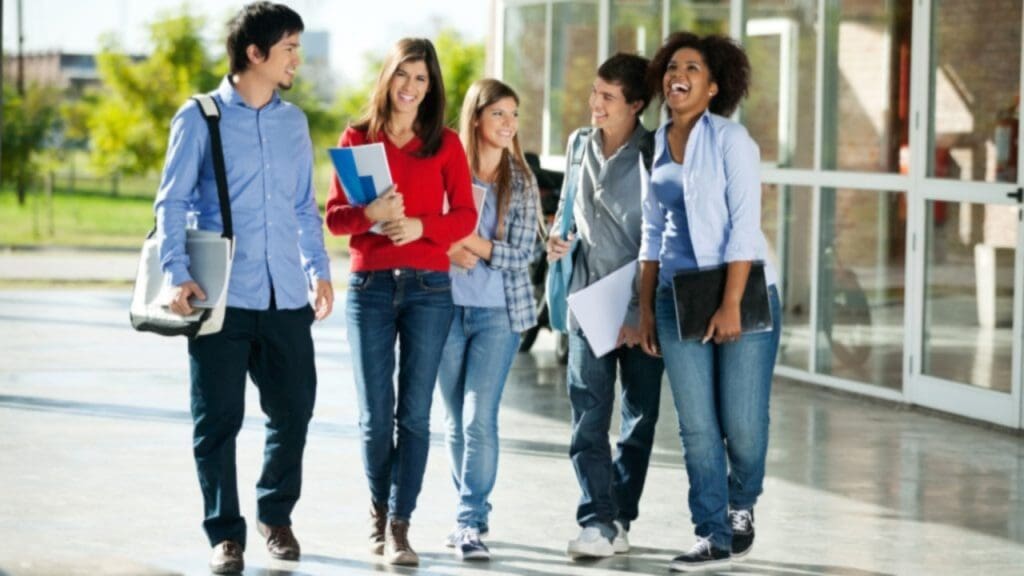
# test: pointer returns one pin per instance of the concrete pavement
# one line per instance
(96, 474)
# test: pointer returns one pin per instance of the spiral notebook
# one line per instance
(698, 295)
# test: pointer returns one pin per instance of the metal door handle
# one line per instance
(1018, 195)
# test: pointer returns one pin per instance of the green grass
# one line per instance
(92, 217)
(84, 218)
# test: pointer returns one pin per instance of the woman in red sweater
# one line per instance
(399, 287)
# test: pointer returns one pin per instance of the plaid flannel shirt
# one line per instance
(513, 254)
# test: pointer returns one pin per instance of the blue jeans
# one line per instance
(611, 490)
(414, 307)
(477, 357)
(721, 393)
(275, 348)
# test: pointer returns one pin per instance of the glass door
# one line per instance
(964, 356)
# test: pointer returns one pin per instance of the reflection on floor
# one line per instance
(98, 477)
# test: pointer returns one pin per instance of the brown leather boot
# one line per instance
(281, 542)
(397, 550)
(378, 523)
(227, 558)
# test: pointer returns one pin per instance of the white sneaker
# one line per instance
(453, 537)
(590, 544)
(621, 543)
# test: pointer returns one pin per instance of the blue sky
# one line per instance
(356, 26)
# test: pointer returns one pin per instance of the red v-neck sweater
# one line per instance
(423, 183)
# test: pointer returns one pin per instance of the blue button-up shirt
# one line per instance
(268, 157)
(721, 186)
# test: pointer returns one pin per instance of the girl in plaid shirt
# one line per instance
(493, 304)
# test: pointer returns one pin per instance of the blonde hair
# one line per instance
(480, 95)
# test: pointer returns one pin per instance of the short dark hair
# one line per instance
(725, 59)
(628, 71)
(262, 24)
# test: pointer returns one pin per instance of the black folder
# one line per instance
(698, 295)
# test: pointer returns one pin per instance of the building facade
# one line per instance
(892, 175)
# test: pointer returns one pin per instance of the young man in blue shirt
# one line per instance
(279, 256)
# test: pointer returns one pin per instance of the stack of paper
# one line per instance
(600, 309)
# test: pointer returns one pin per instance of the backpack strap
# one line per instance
(577, 149)
(211, 113)
(646, 146)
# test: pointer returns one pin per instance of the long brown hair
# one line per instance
(480, 95)
(429, 124)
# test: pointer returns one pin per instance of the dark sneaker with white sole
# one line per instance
(470, 547)
(453, 537)
(742, 532)
(702, 556)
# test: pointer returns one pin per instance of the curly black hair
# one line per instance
(726, 62)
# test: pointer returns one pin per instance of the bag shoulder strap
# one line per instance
(647, 150)
(211, 113)
(577, 148)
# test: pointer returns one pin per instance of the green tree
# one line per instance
(128, 122)
(462, 63)
(29, 121)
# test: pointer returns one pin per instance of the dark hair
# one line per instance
(429, 124)
(725, 59)
(628, 71)
(262, 24)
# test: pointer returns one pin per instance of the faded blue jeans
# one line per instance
(610, 490)
(413, 307)
(721, 393)
(477, 357)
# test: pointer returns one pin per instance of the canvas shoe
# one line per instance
(702, 556)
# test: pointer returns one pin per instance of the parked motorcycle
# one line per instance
(550, 184)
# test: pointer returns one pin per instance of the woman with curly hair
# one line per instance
(702, 208)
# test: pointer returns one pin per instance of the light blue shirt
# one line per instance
(721, 187)
(481, 286)
(268, 158)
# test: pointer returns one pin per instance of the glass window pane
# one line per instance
(786, 222)
(782, 45)
(699, 16)
(968, 319)
(636, 29)
(573, 67)
(867, 87)
(524, 69)
(861, 286)
(975, 90)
